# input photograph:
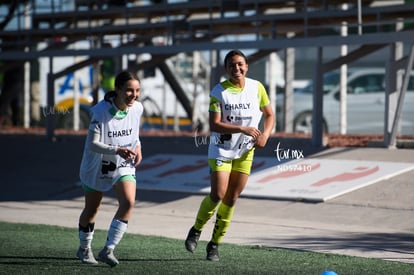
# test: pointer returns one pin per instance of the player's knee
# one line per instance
(90, 211)
(127, 205)
(229, 202)
(216, 197)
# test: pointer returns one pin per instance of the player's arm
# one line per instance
(268, 123)
(268, 117)
(138, 154)
(216, 124)
(96, 145)
(99, 147)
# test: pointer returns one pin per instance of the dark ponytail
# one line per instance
(109, 95)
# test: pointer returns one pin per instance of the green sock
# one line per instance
(223, 219)
(205, 212)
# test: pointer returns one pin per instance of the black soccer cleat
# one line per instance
(212, 252)
(192, 239)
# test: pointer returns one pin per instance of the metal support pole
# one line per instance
(272, 81)
(26, 82)
(359, 17)
(195, 75)
(50, 109)
(317, 112)
(76, 91)
(289, 72)
(392, 91)
(343, 81)
(400, 102)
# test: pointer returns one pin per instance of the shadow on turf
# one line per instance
(398, 243)
(23, 260)
(157, 260)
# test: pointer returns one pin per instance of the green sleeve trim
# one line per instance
(215, 105)
(263, 97)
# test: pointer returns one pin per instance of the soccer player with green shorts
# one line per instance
(111, 154)
(237, 106)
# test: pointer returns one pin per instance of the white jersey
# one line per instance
(101, 171)
(238, 107)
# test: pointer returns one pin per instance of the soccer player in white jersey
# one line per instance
(111, 154)
(236, 108)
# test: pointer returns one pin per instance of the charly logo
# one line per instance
(286, 154)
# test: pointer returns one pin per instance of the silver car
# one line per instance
(365, 104)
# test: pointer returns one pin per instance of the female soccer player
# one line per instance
(111, 154)
(236, 108)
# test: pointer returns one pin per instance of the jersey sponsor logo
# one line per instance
(238, 106)
(224, 137)
(238, 118)
(107, 166)
(120, 133)
(127, 163)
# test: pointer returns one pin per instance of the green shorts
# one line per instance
(242, 165)
(122, 178)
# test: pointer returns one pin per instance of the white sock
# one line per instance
(115, 233)
(85, 239)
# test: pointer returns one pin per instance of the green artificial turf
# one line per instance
(42, 249)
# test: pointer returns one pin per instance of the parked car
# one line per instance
(365, 104)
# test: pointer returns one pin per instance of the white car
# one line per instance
(365, 104)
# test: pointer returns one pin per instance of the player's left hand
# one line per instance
(138, 158)
(261, 141)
